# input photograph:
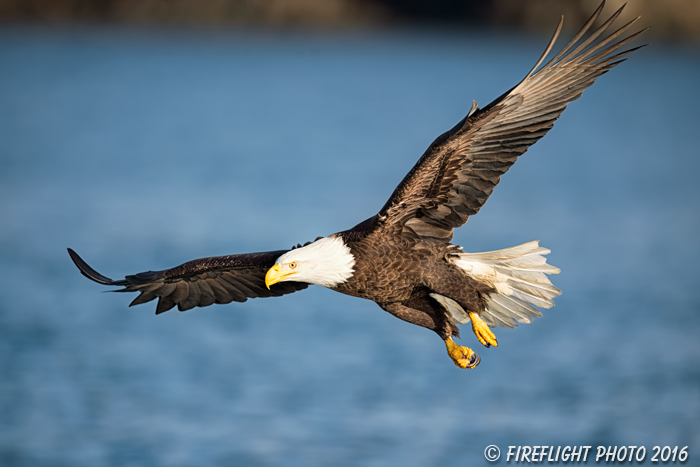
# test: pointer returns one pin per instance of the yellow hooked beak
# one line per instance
(274, 275)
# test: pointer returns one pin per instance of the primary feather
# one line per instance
(472, 156)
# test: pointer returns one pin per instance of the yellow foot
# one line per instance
(464, 357)
(482, 331)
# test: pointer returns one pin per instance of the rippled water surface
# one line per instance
(142, 150)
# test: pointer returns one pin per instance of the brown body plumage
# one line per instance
(402, 257)
(401, 273)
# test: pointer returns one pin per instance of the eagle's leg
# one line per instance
(482, 330)
(427, 313)
(464, 357)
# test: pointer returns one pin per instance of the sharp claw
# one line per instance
(475, 360)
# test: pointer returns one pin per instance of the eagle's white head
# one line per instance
(327, 262)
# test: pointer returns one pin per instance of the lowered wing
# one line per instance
(201, 282)
(460, 169)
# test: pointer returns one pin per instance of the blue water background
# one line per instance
(144, 149)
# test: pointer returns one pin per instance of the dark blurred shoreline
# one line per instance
(672, 19)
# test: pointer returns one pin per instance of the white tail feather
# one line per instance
(517, 274)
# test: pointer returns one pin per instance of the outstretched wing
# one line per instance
(202, 282)
(460, 169)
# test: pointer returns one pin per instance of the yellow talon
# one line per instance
(482, 331)
(464, 357)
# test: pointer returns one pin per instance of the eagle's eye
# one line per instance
(292, 265)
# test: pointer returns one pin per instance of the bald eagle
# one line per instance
(402, 258)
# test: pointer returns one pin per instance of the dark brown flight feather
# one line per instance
(202, 282)
(460, 169)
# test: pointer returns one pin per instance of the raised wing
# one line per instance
(460, 169)
(202, 282)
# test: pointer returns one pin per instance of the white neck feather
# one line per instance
(327, 262)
